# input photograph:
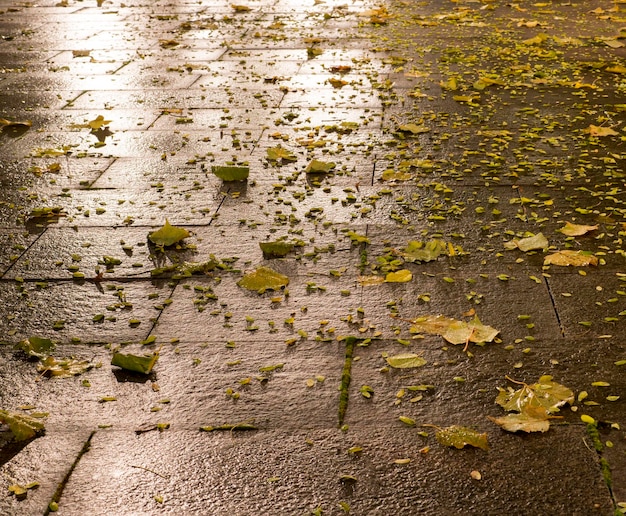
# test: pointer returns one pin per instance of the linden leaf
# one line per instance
(168, 235)
(460, 436)
(231, 173)
(594, 130)
(531, 243)
(263, 279)
(570, 257)
(401, 276)
(405, 361)
(571, 229)
(319, 167)
(22, 426)
(138, 364)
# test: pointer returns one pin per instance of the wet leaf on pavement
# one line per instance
(572, 258)
(263, 279)
(22, 426)
(168, 235)
(405, 361)
(454, 331)
(460, 436)
(137, 363)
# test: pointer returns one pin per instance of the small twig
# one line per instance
(151, 471)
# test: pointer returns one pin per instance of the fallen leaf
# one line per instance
(36, 346)
(280, 155)
(276, 249)
(138, 364)
(417, 251)
(15, 123)
(405, 361)
(460, 436)
(571, 229)
(414, 129)
(22, 427)
(546, 394)
(64, 368)
(319, 167)
(401, 276)
(368, 281)
(168, 235)
(531, 243)
(263, 279)
(523, 422)
(569, 257)
(594, 130)
(231, 173)
(453, 331)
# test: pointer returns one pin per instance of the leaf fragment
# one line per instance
(460, 436)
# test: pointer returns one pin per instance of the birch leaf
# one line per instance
(460, 436)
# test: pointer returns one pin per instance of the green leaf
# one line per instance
(276, 249)
(37, 346)
(319, 167)
(22, 427)
(168, 235)
(417, 251)
(407, 420)
(139, 364)
(64, 368)
(231, 173)
(263, 279)
(229, 427)
(405, 361)
(460, 436)
(401, 276)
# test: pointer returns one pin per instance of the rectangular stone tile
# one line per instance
(293, 477)
(108, 312)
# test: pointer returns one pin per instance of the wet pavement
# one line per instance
(421, 158)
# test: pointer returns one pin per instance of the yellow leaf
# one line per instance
(616, 69)
(366, 281)
(98, 122)
(240, 8)
(576, 229)
(594, 130)
(401, 276)
(569, 257)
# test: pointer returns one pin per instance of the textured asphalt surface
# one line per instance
(472, 124)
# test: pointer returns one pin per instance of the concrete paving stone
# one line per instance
(296, 483)
(14, 242)
(588, 305)
(66, 309)
(49, 174)
(23, 465)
